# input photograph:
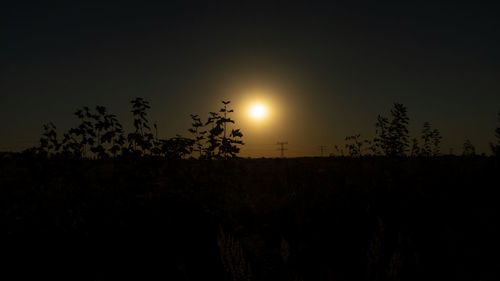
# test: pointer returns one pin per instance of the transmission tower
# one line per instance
(282, 147)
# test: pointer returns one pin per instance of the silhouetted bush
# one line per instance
(222, 143)
(468, 149)
(101, 135)
(431, 140)
(354, 145)
(392, 136)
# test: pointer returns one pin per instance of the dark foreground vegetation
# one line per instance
(103, 204)
(366, 218)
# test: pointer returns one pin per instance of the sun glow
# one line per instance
(258, 111)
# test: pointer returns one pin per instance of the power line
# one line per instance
(282, 147)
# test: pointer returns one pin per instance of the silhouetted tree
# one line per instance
(495, 147)
(469, 149)
(392, 137)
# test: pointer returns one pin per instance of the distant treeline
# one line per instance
(392, 139)
(100, 135)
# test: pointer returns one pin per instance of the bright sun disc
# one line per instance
(258, 111)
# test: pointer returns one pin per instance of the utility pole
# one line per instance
(282, 147)
(322, 148)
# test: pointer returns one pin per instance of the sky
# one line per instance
(324, 70)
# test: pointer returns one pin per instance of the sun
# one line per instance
(258, 111)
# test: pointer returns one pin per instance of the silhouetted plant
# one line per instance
(394, 266)
(48, 142)
(375, 253)
(354, 145)
(426, 139)
(72, 143)
(431, 139)
(381, 140)
(495, 147)
(103, 135)
(284, 250)
(214, 134)
(469, 149)
(371, 147)
(101, 132)
(198, 135)
(436, 141)
(77, 140)
(339, 151)
(141, 140)
(233, 260)
(398, 130)
(176, 148)
(221, 142)
(113, 134)
(157, 143)
(230, 141)
(415, 148)
(100, 127)
(74, 140)
(392, 137)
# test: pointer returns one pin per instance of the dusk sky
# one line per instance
(324, 71)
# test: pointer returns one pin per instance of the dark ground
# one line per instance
(292, 219)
